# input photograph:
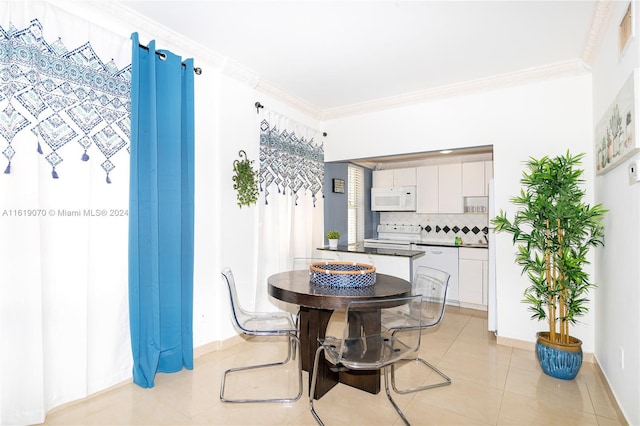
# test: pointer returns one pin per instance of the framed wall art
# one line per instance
(338, 186)
(615, 133)
(626, 29)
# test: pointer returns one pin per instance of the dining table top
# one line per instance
(296, 287)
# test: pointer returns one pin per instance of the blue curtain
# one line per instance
(161, 213)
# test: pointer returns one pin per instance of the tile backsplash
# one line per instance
(442, 227)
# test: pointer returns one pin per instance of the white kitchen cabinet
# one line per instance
(394, 177)
(475, 178)
(473, 181)
(427, 189)
(473, 264)
(404, 177)
(450, 188)
(439, 189)
(382, 178)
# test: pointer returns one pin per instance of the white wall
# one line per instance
(544, 118)
(618, 273)
(238, 227)
(226, 122)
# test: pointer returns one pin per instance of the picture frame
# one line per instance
(616, 132)
(338, 186)
(626, 29)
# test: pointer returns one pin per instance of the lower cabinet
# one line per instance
(473, 274)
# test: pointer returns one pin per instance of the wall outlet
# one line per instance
(621, 357)
(634, 174)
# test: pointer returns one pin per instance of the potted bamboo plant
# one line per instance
(553, 230)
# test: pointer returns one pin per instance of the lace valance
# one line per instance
(61, 96)
(289, 161)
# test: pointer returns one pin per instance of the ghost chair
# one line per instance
(432, 285)
(367, 343)
(274, 324)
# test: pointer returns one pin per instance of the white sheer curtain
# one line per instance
(290, 205)
(64, 124)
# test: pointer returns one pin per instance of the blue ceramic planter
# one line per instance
(559, 361)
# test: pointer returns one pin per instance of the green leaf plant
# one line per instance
(246, 180)
(333, 235)
(553, 230)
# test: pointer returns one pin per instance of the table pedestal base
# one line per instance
(313, 325)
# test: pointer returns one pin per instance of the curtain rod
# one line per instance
(162, 55)
(258, 105)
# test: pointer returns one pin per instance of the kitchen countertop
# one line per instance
(413, 254)
(360, 248)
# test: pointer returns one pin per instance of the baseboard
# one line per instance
(217, 345)
(531, 346)
(474, 306)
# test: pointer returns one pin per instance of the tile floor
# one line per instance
(492, 385)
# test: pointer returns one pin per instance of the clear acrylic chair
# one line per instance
(367, 343)
(278, 324)
(432, 285)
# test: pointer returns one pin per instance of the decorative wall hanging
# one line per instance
(245, 180)
(616, 131)
(289, 161)
(61, 96)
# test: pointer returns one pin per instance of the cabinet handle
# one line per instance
(435, 252)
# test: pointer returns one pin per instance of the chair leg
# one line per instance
(312, 386)
(385, 372)
(296, 321)
(290, 355)
(447, 380)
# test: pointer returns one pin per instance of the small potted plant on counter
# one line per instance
(333, 236)
(553, 230)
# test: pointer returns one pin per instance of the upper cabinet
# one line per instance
(394, 177)
(476, 177)
(427, 192)
(439, 189)
(443, 188)
(450, 188)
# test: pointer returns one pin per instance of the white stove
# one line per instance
(394, 236)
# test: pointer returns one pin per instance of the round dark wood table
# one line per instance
(317, 304)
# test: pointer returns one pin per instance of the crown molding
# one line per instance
(227, 66)
(143, 25)
(253, 79)
(500, 81)
(300, 104)
(601, 16)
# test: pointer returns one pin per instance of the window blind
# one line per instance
(355, 204)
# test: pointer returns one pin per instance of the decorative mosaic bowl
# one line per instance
(342, 274)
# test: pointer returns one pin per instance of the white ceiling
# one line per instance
(333, 54)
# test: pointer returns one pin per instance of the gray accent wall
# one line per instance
(335, 205)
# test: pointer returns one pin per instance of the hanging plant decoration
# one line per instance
(246, 180)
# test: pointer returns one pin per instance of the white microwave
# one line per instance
(396, 199)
